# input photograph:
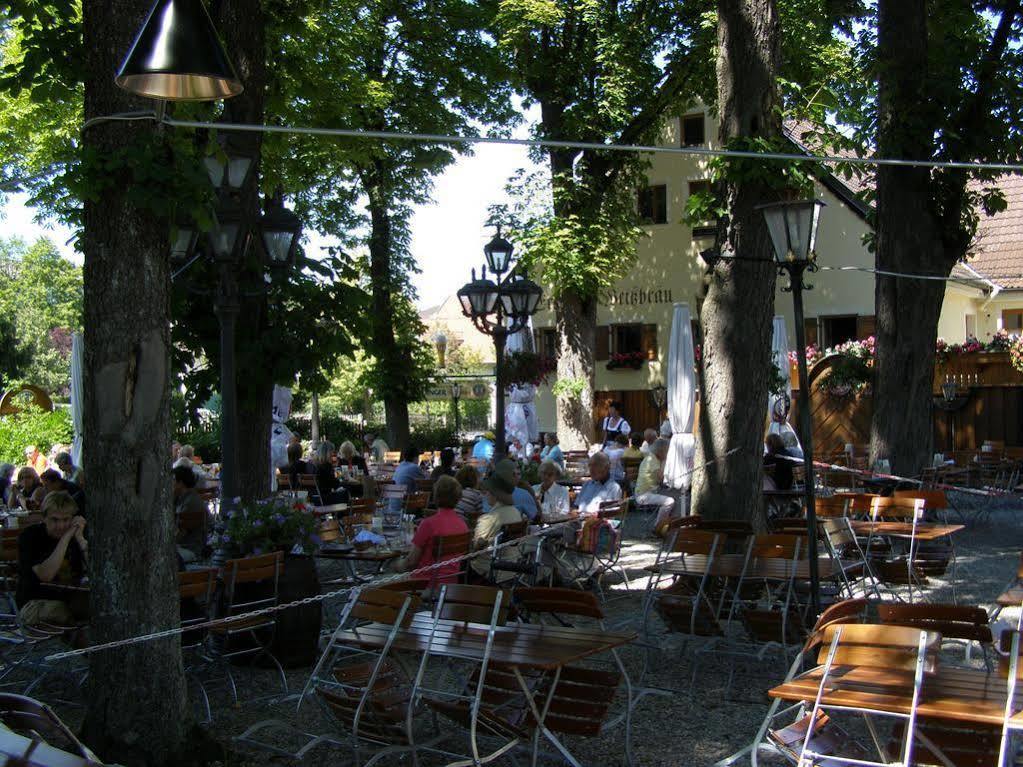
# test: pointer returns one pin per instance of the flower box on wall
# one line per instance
(627, 361)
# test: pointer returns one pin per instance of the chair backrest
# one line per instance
(732, 529)
(838, 531)
(264, 569)
(778, 546)
(390, 491)
(193, 584)
(283, 480)
(613, 509)
(933, 499)
(829, 507)
(896, 508)
(888, 647)
(383, 606)
(470, 604)
(846, 611)
(857, 503)
(514, 530)
(631, 466)
(35, 720)
(450, 545)
(307, 481)
(951, 621)
(424, 485)
(558, 601)
(362, 505)
(352, 524)
(416, 501)
(330, 531)
(690, 540)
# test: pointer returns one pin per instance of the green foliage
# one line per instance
(433, 437)
(570, 388)
(205, 439)
(33, 426)
(41, 295)
(275, 524)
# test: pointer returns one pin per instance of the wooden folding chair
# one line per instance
(581, 699)
(881, 649)
(514, 565)
(955, 623)
(36, 721)
(364, 691)
(447, 547)
(774, 735)
(901, 569)
(250, 584)
(195, 593)
(842, 546)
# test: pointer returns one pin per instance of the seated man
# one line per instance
(71, 472)
(52, 482)
(444, 522)
(600, 487)
(497, 488)
(651, 477)
(406, 474)
(53, 551)
(193, 515)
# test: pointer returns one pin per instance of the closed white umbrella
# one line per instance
(520, 413)
(681, 399)
(778, 404)
(77, 396)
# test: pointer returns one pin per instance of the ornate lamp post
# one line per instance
(499, 309)
(456, 394)
(275, 235)
(792, 226)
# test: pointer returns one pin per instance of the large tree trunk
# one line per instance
(736, 314)
(908, 240)
(390, 358)
(244, 29)
(576, 321)
(137, 712)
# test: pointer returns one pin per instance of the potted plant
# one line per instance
(282, 524)
(852, 369)
(526, 367)
(631, 360)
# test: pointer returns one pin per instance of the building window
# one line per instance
(546, 342)
(838, 330)
(1012, 320)
(627, 339)
(693, 132)
(630, 338)
(971, 325)
(653, 204)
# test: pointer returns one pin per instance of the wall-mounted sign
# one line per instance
(467, 390)
(628, 297)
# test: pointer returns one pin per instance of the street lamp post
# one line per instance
(456, 394)
(275, 235)
(793, 230)
(499, 309)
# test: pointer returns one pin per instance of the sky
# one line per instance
(448, 235)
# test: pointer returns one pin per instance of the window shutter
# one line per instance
(538, 346)
(649, 341)
(865, 327)
(603, 351)
(810, 329)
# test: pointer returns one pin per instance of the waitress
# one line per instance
(613, 424)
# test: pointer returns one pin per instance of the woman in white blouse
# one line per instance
(552, 496)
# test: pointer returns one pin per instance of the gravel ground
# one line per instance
(695, 724)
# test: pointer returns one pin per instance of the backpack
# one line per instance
(598, 537)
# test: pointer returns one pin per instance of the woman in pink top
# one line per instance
(445, 521)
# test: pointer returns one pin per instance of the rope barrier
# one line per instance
(914, 480)
(376, 582)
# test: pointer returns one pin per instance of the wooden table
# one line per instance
(529, 646)
(731, 566)
(333, 508)
(957, 694)
(924, 531)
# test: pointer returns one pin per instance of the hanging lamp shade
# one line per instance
(178, 56)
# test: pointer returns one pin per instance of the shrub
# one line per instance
(33, 426)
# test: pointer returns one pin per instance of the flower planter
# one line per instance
(625, 365)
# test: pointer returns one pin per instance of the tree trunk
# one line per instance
(314, 418)
(390, 358)
(576, 321)
(243, 28)
(137, 704)
(907, 241)
(736, 314)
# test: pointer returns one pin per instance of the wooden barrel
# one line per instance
(296, 642)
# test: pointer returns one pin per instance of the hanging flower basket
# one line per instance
(627, 360)
(527, 367)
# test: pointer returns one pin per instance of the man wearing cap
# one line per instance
(484, 447)
(497, 489)
(600, 487)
